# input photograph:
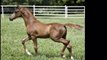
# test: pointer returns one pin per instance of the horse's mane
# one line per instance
(24, 8)
(30, 12)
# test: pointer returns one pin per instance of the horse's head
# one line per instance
(15, 14)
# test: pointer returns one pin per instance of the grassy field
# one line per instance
(13, 32)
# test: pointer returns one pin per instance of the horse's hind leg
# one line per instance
(23, 43)
(69, 47)
(64, 41)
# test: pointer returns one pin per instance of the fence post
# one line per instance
(34, 10)
(66, 11)
(2, 12)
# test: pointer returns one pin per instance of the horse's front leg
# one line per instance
(23, 43)
(34, 39)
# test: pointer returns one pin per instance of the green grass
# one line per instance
(13, 31)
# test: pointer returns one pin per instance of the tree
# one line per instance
(43, 2)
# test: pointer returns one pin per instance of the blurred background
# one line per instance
(43, 2)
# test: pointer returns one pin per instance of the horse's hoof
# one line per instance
(72, 58)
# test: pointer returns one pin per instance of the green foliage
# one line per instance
(13, 31)
(79, 1)
(42, 2)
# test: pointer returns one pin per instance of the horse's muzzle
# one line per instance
(10, 19)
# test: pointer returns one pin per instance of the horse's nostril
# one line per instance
(10, 19)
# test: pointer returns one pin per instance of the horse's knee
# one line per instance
(25, 39)
(69, 46)
(67, 42)
(23, 42)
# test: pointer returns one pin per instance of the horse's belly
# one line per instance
(43, 36)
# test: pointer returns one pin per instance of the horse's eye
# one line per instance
(16, 11)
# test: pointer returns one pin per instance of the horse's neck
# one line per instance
(29, 19)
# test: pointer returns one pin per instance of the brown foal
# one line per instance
(36, 29)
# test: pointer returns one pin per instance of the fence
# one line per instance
(53, 11)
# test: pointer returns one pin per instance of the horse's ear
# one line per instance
(18, 7)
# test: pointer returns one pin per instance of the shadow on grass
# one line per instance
(46, 54)
(51, 55)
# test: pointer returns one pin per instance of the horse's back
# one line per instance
(57, 26)
(57, 30)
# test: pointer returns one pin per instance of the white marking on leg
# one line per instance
(28, 52)
(72, 58)
(63, 56)
(68, 46)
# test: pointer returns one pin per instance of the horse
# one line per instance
(36, 29)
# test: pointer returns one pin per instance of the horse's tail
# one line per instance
(76, 26)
